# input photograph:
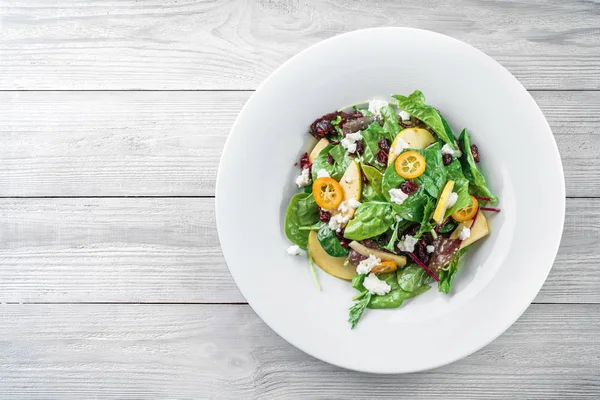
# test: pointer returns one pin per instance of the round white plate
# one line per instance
(499, 277)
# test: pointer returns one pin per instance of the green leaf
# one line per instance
(357, 310)
(301, 212)
(471, 171)
(391, 127)
(372, 190)
(426, 224)
(447, 275)
(391, 180)
(391, 246)
(357, 282)
(414, 104)
(371, 219)
(330, 242)
(337, 169)
(412, 277)
(448, 129)
(412, 209)
(448, 226)
(461, 188)
(454, 171)
(434, 177)
(371, 137)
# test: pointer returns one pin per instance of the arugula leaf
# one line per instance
(391, 127)
(426, 224)
(391, 246)
(371, 219)
(471, 171)
(330, 242)
(301, 212)
(447, 275)
(414, 104)
(357, 310)
(461, 188)
(372, 190)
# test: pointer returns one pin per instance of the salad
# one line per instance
(390, 200)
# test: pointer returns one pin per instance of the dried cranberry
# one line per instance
(364, 177)
(355, 257)
(409, 187)
(382, 157)
(447, 159)
(324, 216)
(421, 252)
(475, 152)
(360, 147)
(330, 159)
(304, 161)
(322, 127)
(384, 144)
(343, 241)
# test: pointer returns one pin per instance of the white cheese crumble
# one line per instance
(348, 205)
(464, 233)
(397, 196)
(348, 179)
(354, 203)
(452, 199)
(322, 173)
(430, 249)
(337, 222)
(349, 142)
(376, 286)
(366, 265)
(295, 250)
(375, 106)
(399, 145)
(407, 244)
(304, 178)
(404, 116)
(446, 149)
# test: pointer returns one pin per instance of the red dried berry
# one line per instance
(304, 161)
(382, 157)
(330, 159)
(360, 147)
(343, 241)
(324, 216)
(409, 187)
(384, 144)
(475, 152)
(447, 159)
(364, 177)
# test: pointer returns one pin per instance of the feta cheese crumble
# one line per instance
(407, 244)
(397, 196)
(464, 233)
(348, 205)
(452, 199)
(446, 149)
(354, 203)
(366, 265)
(295, 250)
(349, 142)
(399, 145)
(304, 178)
(322, 173)
(375, 106)
(430, 249)
(404, 116)
(376, 286)
(337, 222)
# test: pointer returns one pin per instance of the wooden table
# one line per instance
(113, 115)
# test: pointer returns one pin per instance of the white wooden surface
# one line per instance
(113, 116)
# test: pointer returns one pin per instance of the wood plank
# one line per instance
(222, 44)
(226, 352)
(167, 250)
(169, 143)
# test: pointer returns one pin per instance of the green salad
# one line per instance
(390, 200)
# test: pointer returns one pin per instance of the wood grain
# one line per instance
(158, 44)
(226, 352)
(167, 250)
(169, 143)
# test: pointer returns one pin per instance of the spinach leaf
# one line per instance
(434, 177)
(447, 129)
(448, 226)
(412, 209)
(471, 171)
(371, 219)
(454, 171)
(371, 137)
(357, 310)
(412, 277)
(330, 242)
(357, 282)
(337, 169)
(302, 211)
(447, 275)
(461, 188)
(415, 105)
(391, 180)
(397, 295)
(372, 190)
(391, 127)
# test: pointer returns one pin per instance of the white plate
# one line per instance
(500, 277)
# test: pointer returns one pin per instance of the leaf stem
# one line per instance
(313, 272)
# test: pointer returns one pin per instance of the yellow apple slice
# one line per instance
(442, 205)
(332, 265)
(351, 184)
(478, 231)
(365, 251)
(417, 138)
(321, 144)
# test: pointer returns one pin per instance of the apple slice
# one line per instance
(442, 205)
(417, 138)
(479, 230)
(332, 265)
(351, 184)
(321, 144)
(365, 251)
